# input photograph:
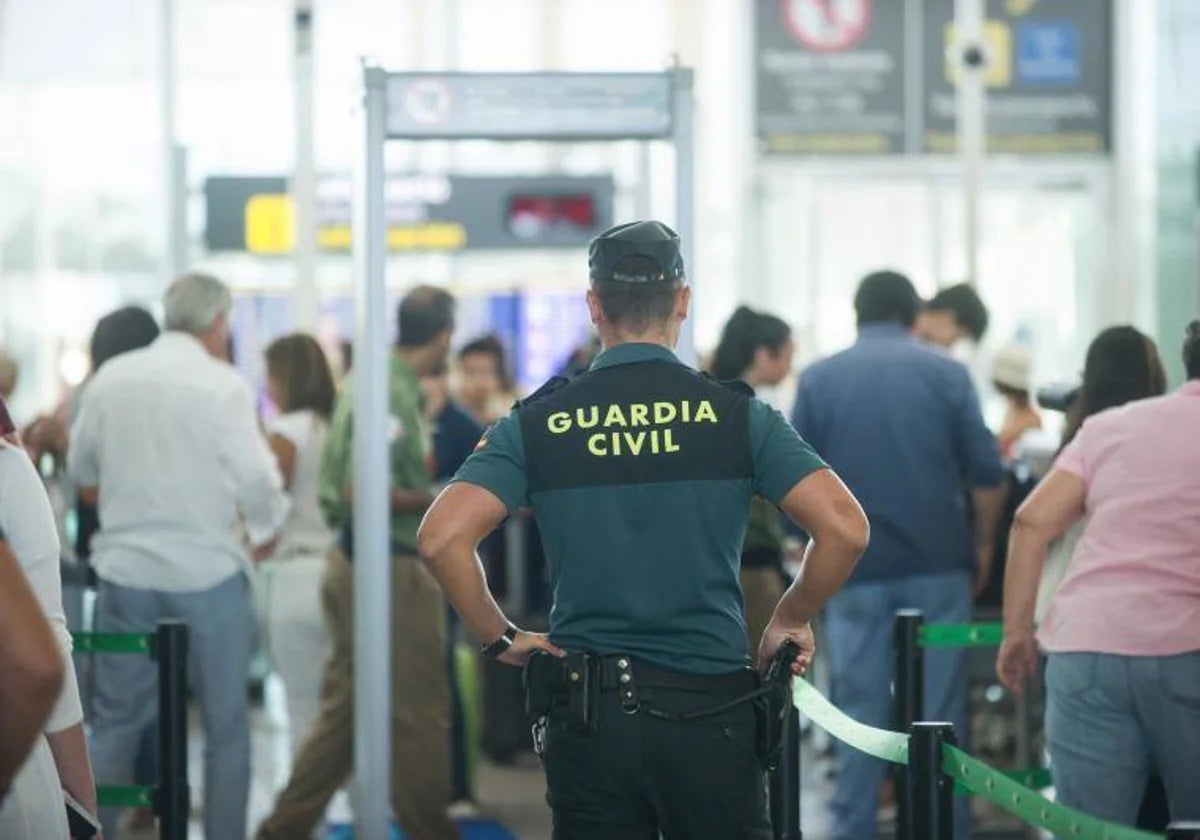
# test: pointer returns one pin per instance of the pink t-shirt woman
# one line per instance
(1122, 634)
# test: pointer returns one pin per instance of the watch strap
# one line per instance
(502, 644)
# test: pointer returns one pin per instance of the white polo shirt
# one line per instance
(170, 437)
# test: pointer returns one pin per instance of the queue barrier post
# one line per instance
(172, 800)
(785, 783)
(908, 687)
(932, 791)
(1183, 831)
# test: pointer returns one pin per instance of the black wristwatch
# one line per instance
(498, 647)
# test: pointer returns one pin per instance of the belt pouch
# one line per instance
(542, 678)
(582, 673)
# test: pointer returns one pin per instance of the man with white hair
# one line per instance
(166, 442)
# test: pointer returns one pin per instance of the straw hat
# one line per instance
(1011, 367)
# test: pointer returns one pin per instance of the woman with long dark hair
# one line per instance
(1122, 365)
(300, 384)
(757, 348)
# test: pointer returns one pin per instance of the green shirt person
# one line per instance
(409, 454)
(639, 473)
(420, 698)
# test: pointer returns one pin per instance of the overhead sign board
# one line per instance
(529, 106)
(1048, 76)
(424, 213)
(835, 76)
(830, 75)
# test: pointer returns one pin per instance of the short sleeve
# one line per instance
(498, 464)
(782, 459)
(1074, 458)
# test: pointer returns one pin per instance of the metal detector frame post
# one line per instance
(561, 107)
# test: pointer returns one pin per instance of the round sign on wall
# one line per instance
(827, 25)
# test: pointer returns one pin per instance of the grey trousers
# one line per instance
(220, 640)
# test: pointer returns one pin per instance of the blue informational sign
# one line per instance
(1047, 52)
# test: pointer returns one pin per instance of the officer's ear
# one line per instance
(683, 302)
(594, 309)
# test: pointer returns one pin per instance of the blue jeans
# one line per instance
(220, 640)
(1110, 719)
(858, 629)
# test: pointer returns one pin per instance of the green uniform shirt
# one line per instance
(642, 515)
(409, 452)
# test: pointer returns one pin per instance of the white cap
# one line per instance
(1011, 367)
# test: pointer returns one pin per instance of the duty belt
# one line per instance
(580, 678)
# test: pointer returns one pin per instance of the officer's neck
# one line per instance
(666, 338)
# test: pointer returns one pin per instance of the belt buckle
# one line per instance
(627, 686)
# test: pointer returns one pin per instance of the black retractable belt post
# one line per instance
(785, 783)
(1183, 831)
(909, 701)
(172, 805)
(932, 790)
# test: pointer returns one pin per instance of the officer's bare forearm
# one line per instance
(448, 540)
(825, 569)
(839, 533)
(460, 573)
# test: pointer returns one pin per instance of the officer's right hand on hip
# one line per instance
(525, 645)
(777, 633)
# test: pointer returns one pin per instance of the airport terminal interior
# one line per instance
(231, 205)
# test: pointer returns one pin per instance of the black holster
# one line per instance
(573, 683)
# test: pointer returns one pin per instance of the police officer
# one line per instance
(640, 472)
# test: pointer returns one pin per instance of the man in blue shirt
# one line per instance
(899, 421)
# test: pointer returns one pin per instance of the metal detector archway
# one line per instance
(559, 107)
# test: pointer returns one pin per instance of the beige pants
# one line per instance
(761, 590)
(420, 710)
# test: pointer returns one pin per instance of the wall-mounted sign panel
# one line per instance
(1048, 77)
(424, 213)
(833, 76)
(830, 76)
(529, 106)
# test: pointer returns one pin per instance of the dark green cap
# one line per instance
(636, 252)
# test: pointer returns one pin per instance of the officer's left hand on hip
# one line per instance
(525, 644)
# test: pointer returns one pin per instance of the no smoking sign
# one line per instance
(827, 25)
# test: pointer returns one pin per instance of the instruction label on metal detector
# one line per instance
(529, 106)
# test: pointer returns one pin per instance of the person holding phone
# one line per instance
(28, 525)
